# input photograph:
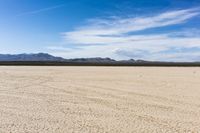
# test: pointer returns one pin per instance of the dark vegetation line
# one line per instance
(61, 63)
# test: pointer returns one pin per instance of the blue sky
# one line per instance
(166, 30)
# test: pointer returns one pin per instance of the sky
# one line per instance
(157, 30)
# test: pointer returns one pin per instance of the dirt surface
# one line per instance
(99, 99)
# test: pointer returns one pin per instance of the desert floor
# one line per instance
(99, 99)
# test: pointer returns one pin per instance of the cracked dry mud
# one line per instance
(99, 99)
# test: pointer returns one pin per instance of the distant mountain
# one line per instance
(48, 57)
(44, 59)
(97, 59)
(30, 57)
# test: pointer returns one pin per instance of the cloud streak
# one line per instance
(104, 31)
(40, 10)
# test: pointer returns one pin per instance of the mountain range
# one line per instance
(48, 57)
(30, 57)
(44, 59)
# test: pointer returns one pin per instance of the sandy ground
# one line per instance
(99, 99)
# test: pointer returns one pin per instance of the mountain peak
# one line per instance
(30, 57)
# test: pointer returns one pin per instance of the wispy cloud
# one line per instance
(104, 31)
(113, 37)
(40, 10)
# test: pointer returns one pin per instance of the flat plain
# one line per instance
(99, 99)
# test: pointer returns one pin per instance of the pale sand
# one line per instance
(99, 99)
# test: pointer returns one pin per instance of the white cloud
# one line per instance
(58, 48)
(106, 38)
(149, 50)
(100, 29)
